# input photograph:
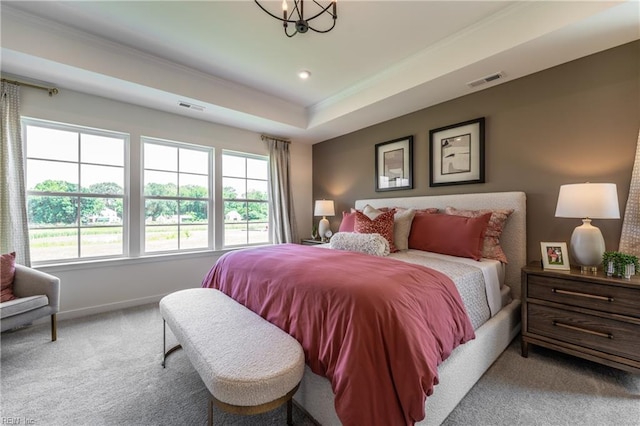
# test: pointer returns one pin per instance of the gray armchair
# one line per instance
(37, 295)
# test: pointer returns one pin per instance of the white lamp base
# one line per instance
(587, 245)
(323, 227)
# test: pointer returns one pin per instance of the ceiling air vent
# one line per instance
(486, 79)
(191, 106)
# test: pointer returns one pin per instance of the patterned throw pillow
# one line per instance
(430, 210)
(491, 248)
(7, 272)
(382, 224)
(401, 223)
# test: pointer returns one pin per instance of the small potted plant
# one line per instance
(620, 264)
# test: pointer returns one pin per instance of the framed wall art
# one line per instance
(555, 256)
(394, 160)
(457, 153)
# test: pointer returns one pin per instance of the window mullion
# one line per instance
(78, 219)
(79, 199)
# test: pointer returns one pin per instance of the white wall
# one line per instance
(100, 286)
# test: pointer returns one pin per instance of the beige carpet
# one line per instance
(105, 370)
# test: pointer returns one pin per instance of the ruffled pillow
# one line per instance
(382, 224)
(491, 248)
(7, 273)
(430, 210)
(373, 244)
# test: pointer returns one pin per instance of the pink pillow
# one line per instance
(7, 272)
(491, 248)
(348, 222)
(446, 234)
(382, 224)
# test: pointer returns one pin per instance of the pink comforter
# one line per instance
(377, 328)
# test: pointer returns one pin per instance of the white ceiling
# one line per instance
(383, 59)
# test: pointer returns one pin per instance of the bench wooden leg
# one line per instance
(54, 328)
(290, 412)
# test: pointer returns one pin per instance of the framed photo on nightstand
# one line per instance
(555, 256)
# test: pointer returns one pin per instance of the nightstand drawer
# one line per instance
(601, 297)
(606, 335)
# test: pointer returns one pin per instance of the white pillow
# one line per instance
(371, 212)
(373, 244)
(402, 220)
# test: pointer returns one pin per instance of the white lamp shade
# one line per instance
(592, 200)
(324, 208)
(588, 201)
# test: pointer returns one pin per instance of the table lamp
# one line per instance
(324, 208)
(588, 201)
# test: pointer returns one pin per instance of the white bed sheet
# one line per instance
(492, 270)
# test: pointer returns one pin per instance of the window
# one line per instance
(246, 199)
(177, 196)
(78, 195)
(76, 191)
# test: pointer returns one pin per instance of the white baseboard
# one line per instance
(108, 307)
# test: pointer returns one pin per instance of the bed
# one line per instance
(466, 363)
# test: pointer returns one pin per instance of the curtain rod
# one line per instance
(263, 137)
(52, 90)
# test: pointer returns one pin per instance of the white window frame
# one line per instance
(210, 198)
(133, 216)
(28, 121)
(268, 201)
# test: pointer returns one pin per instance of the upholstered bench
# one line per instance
(248, 365)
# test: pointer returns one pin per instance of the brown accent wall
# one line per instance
(577, 122)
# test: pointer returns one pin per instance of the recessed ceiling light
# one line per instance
(304, 74)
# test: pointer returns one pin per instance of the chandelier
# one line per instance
(297, 18)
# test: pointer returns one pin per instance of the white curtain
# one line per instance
(14, 232)
(630, 237)
(283, 222)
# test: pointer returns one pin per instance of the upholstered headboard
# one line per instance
(514, 235)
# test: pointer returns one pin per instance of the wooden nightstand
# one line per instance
(310, 242)
(590, 316)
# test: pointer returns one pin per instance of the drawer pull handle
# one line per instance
(584, 330)
(575, 293)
